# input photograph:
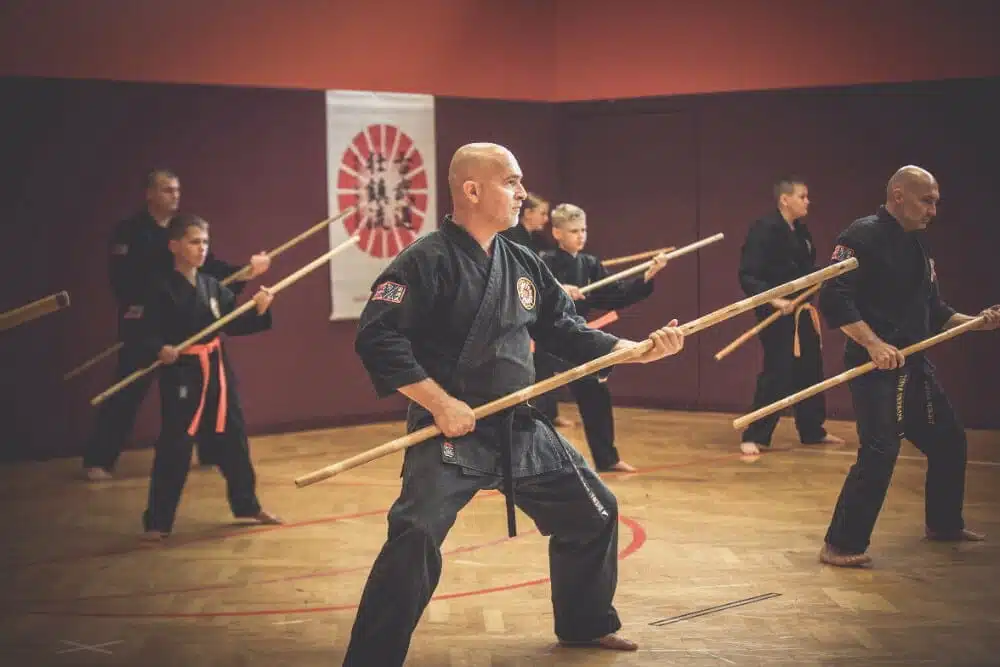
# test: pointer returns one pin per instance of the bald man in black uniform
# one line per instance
(892, 301)
(449, 325)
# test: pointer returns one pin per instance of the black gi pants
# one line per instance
(783, 373)
(890, 405)
(583, 553)
(116, 416)
(180, 392)
(594, 399)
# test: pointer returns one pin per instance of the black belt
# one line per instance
(519, 413)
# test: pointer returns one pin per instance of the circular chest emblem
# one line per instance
(382, 173)
(526, 293)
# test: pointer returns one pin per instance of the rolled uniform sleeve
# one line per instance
(838, 296)
(402, 299)
(560, 331)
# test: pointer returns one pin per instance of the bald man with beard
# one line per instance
(891, 301)
(449, 325)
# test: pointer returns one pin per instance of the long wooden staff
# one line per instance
(229, 317)
(228, 279)
(34, 310)
(764, 323)
(578, 372)
(850, 374)
(615, 261)
(639, 268)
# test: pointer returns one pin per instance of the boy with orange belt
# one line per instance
(198, 394)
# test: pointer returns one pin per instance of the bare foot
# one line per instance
(622, 466)
(749, 448)
(152, 537)
(97, 474)
(834, 556)
(611, 642)
(266, 518)
(963, 535)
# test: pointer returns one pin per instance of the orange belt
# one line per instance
(202, 352)
(815, 318)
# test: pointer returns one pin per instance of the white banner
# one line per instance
(380, 158)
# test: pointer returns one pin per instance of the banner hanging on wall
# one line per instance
(381, 159)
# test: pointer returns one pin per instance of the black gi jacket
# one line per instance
(139, 256)
(518, 234)
(774, 253)
(173, 310)
(585, 269)
(445, 309)
(894, 289)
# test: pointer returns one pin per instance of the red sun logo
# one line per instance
(383, 174)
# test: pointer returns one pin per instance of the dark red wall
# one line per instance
(549, 50)
(636, 48)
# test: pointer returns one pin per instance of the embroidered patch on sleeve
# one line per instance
(133, 313)
(389, 291)
(842, 252)
(120, 249)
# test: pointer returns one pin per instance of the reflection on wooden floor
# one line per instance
(701, 529)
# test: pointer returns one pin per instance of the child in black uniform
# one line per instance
(575, 269)
(198, 395)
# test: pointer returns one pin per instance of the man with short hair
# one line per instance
(779, 248)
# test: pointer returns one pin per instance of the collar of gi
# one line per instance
(464, 240)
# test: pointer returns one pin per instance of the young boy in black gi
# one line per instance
(198, 394)
(575, 269)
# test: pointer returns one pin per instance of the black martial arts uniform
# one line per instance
(591, 393)
(531, 240)
(198, 392)
(138, 256)
(775, 253)
(445, 309)
(895, 291)
(545, 363)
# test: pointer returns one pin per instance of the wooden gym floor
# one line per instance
(702, 531)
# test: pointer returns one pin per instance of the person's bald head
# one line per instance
(485, 184)
(912, 196)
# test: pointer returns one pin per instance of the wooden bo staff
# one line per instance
(764, 323)
(578, 372)
(229, 317)
(615, 261)
(850, 374)
(227, 280)
(34, 310)
(639, 268)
